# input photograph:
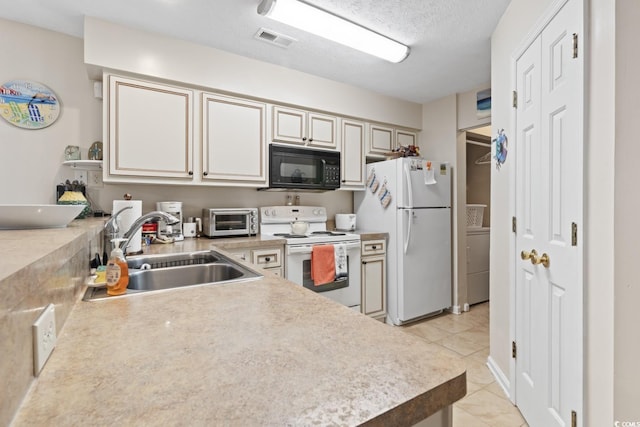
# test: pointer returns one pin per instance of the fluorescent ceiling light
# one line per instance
(324, 24)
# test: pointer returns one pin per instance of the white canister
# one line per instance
(346, 222)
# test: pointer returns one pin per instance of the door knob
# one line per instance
(542, 259)
(525, 255)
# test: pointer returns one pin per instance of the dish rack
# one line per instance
(474, 215)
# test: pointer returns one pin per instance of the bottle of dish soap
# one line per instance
(117, 273)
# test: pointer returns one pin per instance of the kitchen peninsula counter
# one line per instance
(262, 352)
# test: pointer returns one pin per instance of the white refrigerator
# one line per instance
(417, 217)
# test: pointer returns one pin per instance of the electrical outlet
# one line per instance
(44, 338)
(81, 176)
(95, 179)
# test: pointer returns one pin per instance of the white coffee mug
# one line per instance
(189, 229)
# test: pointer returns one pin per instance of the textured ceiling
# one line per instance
(449, 39)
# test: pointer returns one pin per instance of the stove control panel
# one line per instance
(286, 214)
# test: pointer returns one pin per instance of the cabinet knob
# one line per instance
(364, 262)
(205, 173)
(267, 259)
(344, 180)
(374, 247)
(310, 139)
(190, 173)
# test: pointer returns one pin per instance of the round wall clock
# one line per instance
(27, 104)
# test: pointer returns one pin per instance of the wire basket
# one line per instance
(474, 215)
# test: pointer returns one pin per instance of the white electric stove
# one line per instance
(276, 221)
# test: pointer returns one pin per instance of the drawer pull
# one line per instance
(374, 247)
(267, 259)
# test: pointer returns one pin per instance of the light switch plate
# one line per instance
(44, 338)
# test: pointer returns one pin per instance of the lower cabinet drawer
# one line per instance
(267, 258)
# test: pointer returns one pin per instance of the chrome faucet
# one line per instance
(168, 218)
(111, 230)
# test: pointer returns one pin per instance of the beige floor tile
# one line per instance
(472, 387)
(491, 409)
(452, 323)
(480, 356)
(464, 344)
(478, 373)
(462, 418)
(496, 389)
(426, 331)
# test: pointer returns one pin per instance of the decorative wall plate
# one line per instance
(27, 104)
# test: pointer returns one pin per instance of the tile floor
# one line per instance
(467, 335)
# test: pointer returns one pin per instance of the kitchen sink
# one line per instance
(163, 272)
(173, 260)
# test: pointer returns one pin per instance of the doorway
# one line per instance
(478, 211)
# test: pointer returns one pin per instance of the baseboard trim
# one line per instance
(500, 377)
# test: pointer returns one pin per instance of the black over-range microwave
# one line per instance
(303, 168)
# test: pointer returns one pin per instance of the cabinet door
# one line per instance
(353, 145)
(322, 130)
(374, 298)
(150, 129)
(405, 138)
(289, 125)
(380, 139)
(233, 140)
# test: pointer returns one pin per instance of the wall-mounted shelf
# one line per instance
(84, 164)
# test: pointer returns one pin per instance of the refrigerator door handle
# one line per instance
(408, 237)
(408, 186)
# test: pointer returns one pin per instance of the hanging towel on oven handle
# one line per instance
(340, 253)
(322, 264)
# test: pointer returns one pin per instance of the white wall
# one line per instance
(109, 45)
(32, 164)
(627, 208)
(467, 109)
(31, 160)
(440, 142)
(599, 230)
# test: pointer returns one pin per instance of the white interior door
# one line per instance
(549, 188)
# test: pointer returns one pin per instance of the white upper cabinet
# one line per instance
(384, 138)
(353, 135)
(301, 127)
(405, 138)
(381, 139)
(150, 130)
(234, 141)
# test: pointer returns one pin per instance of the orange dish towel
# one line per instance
(323, 264)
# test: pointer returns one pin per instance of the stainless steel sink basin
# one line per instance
(194, 268)
(167, 278)
(173, 260)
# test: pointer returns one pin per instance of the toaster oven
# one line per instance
(230, 222)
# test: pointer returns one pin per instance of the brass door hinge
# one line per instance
(514, 349)
(574, 234)
(515, 99)
(513, 224)
(574, 419)
(575, 45)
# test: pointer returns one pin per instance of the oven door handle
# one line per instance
(306, 249)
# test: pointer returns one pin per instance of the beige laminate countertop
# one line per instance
(263, 352)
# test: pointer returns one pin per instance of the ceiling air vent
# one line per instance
(272, 37)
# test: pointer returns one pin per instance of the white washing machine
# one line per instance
(478, 264)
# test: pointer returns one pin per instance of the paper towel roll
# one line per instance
(126, 219)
